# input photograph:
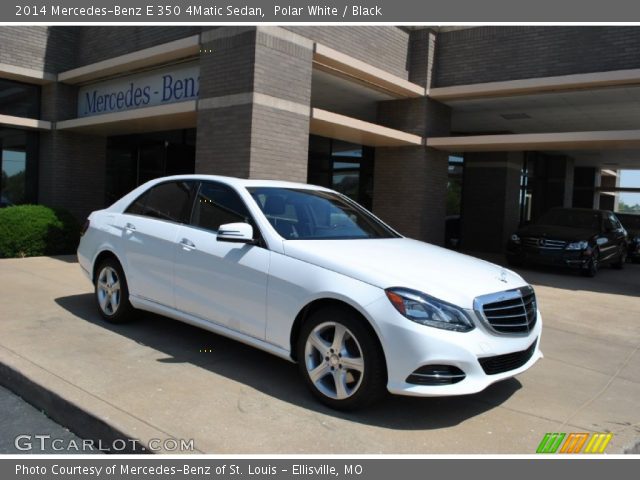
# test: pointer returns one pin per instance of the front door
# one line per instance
(222, 282)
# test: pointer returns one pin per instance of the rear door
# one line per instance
(149, 230)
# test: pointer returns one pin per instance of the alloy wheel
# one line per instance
(108, 290)
(334, 360)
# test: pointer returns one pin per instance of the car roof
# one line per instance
(244, 182)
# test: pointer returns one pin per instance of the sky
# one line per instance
(630, 178)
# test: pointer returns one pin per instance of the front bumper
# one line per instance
(553, 258)
(408, 346)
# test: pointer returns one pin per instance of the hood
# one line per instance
(568, 234)
(402, 262)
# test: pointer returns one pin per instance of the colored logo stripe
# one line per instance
(550, 443)
(598, 442)
(574, 443)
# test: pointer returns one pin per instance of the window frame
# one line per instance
(257, 233)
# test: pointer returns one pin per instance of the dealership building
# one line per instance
(492, 125)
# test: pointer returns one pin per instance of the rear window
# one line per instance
(167, 201)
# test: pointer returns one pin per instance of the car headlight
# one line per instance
(429, 311)
(515, 238)
(581, 245)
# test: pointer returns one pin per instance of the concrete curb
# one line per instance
(66, 413)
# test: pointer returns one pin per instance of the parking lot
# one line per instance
(157, 378)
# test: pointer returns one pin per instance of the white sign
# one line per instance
(177, 83)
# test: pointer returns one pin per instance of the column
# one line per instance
(253, 118)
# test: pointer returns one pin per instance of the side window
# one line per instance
(137, 207)
(167, 201)
(615, 222)
(216, 205)
(608, 223)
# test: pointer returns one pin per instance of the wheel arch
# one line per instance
(100, 257)
(319, 303)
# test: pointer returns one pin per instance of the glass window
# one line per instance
(590, 219)
(137, 207)
(300, 214)
(167, 201)
(217, 205)
(18, 150)
(19, 99)
(138, 158)
(342, 166)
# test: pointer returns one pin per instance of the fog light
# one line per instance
(436, 375)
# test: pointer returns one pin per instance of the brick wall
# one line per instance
(420, 116)
(410, 191)
(489, 54)
(247, 138)
(279, 145)
(381, 46)
(72, 171)
(51, 49)
(223, 145)
(420, 56)
(228, 69)
(410, 183)
(99, 42)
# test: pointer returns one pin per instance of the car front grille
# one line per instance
(543, 243)
(512, 311)
(507, 362)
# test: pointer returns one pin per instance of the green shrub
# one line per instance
(33, 230)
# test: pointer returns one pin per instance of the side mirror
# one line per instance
(235, 233)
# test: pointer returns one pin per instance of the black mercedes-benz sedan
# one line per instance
(631, 223)
(576, 238)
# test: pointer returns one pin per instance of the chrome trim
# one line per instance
(543, 243)
(514, 294)
(438, 375)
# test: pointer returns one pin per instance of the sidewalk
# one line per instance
(152, 380)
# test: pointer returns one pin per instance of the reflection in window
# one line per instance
(218, 205)
(16, 151)
(454, 201)
(19, 99)
(342, 166)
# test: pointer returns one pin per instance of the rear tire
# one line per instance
(112, 293)
(340, 359)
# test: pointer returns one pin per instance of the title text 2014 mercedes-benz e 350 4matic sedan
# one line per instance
(307, 274)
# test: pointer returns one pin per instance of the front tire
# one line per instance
(622, 259)
(340, 359)
(112, 293)
(592, 267)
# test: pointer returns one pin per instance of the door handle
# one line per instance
(185, 242)
(130, 226)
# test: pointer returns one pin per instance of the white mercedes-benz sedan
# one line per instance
(307, 274)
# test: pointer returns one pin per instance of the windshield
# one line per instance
(300, 214)
(589, 219)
